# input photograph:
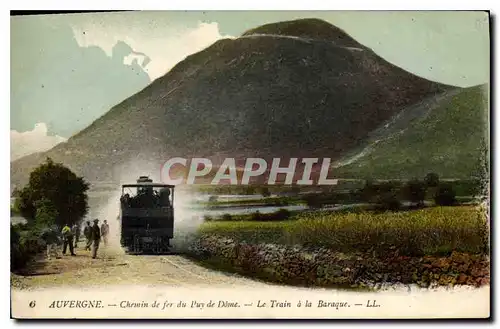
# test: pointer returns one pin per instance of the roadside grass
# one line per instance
(429, 231)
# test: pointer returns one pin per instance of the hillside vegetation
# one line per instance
(451, 140)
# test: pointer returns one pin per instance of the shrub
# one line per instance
(25, 244)
(256, 216)
(279, 215)
(16, 260)
(226, 217)
(282, 214)
(415, 192)
(281, 202)
(379, 193)
(265, 192)
(369, 191)
(432, 179)
(388, 201)
(313, 200)
(445, 196)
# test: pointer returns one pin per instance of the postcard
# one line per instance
(250, 165)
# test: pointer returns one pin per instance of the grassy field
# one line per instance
(429, 231)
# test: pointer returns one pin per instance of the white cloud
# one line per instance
(28, 142)
(164, 46)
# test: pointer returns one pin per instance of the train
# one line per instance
(147, 217)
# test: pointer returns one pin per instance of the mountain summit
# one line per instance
(311, 28)
(301, 88)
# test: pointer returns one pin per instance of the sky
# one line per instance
(68, 70)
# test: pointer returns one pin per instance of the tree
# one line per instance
(415, 192)
(265, 192)
(369, 191)
(445, 195)
(249, 190)
(15, 193)
(54, 190)
(432, 179)
(282, 214)
(388, 200)
(46, 212)
(295, 190)
(314, 200)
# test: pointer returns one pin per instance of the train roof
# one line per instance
(148, 184)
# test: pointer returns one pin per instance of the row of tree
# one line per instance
(415, 191)
(390, 195)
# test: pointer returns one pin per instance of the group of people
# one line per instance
(147, 198)
(93, 235)
(71, 236)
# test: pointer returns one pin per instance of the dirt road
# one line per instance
(116, 268)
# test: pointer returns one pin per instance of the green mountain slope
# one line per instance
(450, 140)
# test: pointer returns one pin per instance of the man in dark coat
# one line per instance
(87, 232)
(96, 238)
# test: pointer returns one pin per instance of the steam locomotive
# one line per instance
(147, 217)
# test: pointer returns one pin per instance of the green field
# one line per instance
(450, 141)
(429, 231)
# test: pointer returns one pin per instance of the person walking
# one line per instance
(68, 240)
(105, 232)
(96, 238)
(87, 232)
(75, 229)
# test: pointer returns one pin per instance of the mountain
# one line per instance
(446, 134)
(301, 88)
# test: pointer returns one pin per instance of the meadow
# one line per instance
(429, 231)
